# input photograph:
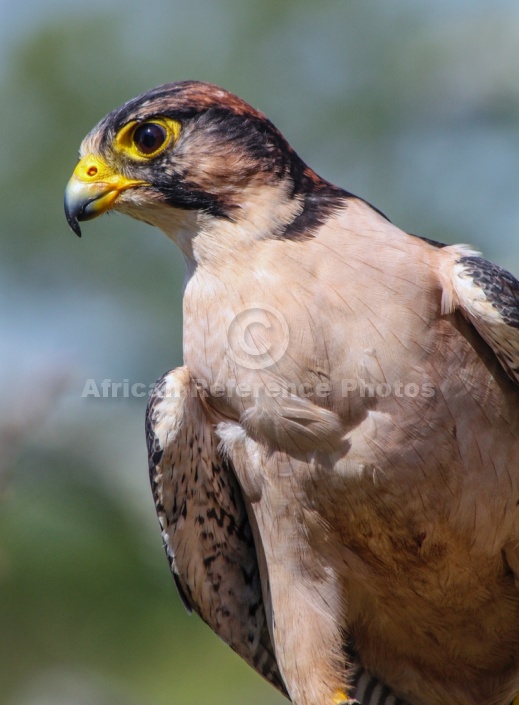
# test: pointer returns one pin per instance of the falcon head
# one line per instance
(186, 156)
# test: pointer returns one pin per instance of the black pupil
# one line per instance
(149, 137)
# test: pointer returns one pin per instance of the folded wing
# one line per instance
(206, 531)
(488, 296)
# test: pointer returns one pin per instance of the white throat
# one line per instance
(204, 239)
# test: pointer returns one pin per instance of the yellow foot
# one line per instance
(341, 698)
(515, 701)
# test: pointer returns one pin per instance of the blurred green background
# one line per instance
(414, 106)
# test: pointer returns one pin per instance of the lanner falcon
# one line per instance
(336, 466)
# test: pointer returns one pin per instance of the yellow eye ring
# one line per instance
(146, 139)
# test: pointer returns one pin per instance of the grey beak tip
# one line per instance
(72, 219)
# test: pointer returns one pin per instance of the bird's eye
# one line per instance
(149, 137)
(143, 140)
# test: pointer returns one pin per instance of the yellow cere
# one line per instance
(92, 169)
(124, 141)
(340, 697)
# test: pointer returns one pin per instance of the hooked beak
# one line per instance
(92, 190)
